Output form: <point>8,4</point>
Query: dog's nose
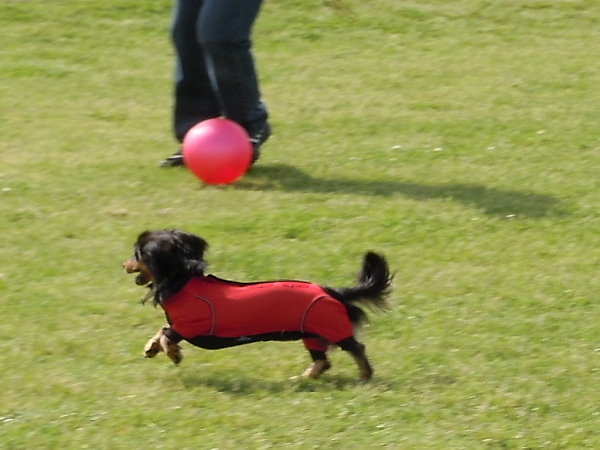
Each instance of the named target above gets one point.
<point>131,266</point>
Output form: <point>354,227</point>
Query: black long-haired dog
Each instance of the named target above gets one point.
<point>213,313</point>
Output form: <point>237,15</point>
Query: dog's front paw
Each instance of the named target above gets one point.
<point>152,348</point>
<point>172,349</point>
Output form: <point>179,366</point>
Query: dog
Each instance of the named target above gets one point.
<point>214,313</point>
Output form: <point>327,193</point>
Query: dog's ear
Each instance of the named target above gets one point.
<point>192,246</point>
<point>191,249</point>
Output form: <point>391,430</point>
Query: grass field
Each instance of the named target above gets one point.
<point>458,137</point>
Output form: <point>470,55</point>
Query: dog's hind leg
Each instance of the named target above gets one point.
<point>357,350</point>
<point>319,365</point>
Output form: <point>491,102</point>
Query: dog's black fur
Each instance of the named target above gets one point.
<point>167,260</point>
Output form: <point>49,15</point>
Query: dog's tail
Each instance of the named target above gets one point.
<point>372,289</point>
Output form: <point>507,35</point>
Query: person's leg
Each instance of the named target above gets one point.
<point>215,69</point>
<point>195,98</point>
<point>224,32</point>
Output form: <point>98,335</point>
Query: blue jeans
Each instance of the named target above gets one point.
<point>215,72</point>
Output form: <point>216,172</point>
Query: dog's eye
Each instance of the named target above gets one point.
<point>138,255</point>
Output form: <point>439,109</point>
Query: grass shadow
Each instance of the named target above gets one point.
<point>242,384</point>
<point>491,201</point>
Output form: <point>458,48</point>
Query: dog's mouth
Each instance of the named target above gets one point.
<point>144,276</point>
<point>142,279</point>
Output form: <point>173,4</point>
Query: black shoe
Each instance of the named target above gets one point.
<point>258,139</point>
<point>173,161</point>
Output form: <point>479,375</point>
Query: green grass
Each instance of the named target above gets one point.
<point>458,137</point>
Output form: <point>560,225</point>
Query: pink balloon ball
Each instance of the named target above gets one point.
<point>218,151</point>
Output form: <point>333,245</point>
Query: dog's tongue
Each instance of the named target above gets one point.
<point>148,295</point>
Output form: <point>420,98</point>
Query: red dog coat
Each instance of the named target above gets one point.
<point>209,306</point>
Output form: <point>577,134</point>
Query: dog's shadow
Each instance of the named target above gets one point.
<point>242,384</point>
<point>491,201</point>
